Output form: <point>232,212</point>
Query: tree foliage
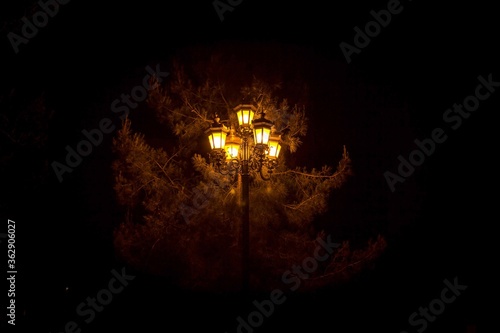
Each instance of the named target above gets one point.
<point>182,218</point>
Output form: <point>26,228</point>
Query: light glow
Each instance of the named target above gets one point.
<point>274,147</point>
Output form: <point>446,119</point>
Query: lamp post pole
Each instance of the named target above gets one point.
<point>245,226</point>
<point>265,151</point>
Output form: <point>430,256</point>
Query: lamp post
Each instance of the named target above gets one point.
<point>251,146</point>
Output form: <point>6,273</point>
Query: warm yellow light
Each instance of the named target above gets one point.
<point>245,117</point>
<point>245,114</point>
<point>217,140</point>
<point>217,136</point>
<point>274,147</point>
<point>262,130</point>
<point>232,147</point>
<point>232,151</point>
<point>261,135</point>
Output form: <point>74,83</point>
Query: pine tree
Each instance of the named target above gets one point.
<point>181,217</point>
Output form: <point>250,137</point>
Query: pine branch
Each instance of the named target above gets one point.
<point>297,206</point>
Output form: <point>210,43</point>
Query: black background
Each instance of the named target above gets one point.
<point>439,223</point>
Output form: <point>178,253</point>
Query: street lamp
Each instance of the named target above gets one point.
<point>274,146</point>
<point>252,146</point>
<point>232,146</point>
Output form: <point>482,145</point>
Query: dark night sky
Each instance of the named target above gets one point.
<point>438,222</point>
